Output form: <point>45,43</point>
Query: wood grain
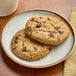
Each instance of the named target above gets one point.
<point>8,67</point>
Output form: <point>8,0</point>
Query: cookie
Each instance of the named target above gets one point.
<point>47,30</point>
<point>28,49</point>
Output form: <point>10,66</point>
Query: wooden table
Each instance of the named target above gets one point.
<point>8,67</point>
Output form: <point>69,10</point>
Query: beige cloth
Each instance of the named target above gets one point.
<point>70,62</point>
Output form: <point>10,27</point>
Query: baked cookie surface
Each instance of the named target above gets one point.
<point>28,49</point>
<point>47,30</point>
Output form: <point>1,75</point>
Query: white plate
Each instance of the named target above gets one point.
<point>58,53</point>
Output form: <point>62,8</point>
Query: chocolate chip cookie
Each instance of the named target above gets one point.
<point>47,30</point>
<point>28,49</point>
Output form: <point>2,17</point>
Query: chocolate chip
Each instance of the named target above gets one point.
<point>36,41</point>
<point>35,48</point>
<point>61,32</point>
<point>37,21</point>
<point>24,49</point>
<point>40,17</point>
<point>39,25</point>
<point>16,39</point>
<point>29,29</point>
<point>19,35</point>
<point>48,18</point>
<point>32,19</point>
<point>51,35</point>
<point>57,28</point>
<point>14,48</point>
<point>54,32</point>
<point>42,45</point>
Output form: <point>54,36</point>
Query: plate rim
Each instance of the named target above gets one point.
<point>49,65</point>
